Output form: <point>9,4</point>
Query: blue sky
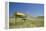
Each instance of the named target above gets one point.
<point>28,8</point>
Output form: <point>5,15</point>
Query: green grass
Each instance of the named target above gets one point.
<point>27,24</point>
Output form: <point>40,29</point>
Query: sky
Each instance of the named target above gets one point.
<point>28,8</point>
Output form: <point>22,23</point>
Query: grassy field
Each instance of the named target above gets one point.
<point>27,23</point>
